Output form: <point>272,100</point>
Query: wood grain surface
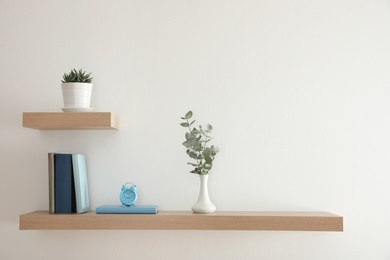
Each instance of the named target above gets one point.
<point>184,220</point>
<point>70,121</point>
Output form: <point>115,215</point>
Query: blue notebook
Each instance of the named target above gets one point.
<point>118,209</point>
<point>80,183</point>
<point>65,201</point>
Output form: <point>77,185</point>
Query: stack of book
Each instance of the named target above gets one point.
<point>68,185</point>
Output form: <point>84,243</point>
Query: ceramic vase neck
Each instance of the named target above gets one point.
<point>203,186</point>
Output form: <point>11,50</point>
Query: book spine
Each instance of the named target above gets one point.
<point>51,183</point>
<point>65,201</point>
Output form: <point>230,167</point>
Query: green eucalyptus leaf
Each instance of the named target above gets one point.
<point>206,152</point>
<point>188,115</point>
<point>198,146</point>
<point>208,128</point>
<point>187,144</point>
<point>189,136</point>
<point>184,124</point>
<point>208,166</point>
<point>193,155</point>
<point>193,164</point>
<point>202,132</point>
<point>214,150</point>
<point>209,159</point>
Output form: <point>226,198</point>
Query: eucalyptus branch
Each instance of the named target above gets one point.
<point>196,144</point>
<point>189,127</point>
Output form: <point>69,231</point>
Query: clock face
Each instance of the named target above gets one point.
<point>128,197</point>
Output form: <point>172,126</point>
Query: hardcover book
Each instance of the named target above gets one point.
<point>51,183</point>
<point>80,183</point>
<point>65,201</point>
<point>118,209</point>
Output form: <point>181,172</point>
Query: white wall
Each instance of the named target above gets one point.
<point>297,92</point>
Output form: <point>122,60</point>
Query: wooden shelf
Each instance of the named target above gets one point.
<point>70,121</point>
<point>184,220</point>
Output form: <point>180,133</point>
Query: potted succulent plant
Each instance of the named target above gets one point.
<point>197,140</point>
<point>77,91</point>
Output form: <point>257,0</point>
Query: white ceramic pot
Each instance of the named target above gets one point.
<point>76,95</point>
<point>204,204</point>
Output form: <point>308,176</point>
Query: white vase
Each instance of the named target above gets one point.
<point>203,205</point>
<point>76,95</point>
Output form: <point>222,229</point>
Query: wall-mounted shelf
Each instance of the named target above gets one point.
<point>184,220</point>
<point>70,121</point>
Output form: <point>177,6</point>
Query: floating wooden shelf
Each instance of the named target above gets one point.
<point>184,220</point>
<point>70,121</point>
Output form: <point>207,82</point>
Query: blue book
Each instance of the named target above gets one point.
<point>80,183</point>
<point>65,201</point>
<point>118,209</point>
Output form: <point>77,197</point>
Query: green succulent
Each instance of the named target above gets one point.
<point>77,76</point>
<point>196,144</point>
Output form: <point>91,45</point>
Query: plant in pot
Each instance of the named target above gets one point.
<point>197,140</point>
<point>77,91</point>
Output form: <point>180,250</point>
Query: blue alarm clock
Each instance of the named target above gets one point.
<point>128,195</point>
